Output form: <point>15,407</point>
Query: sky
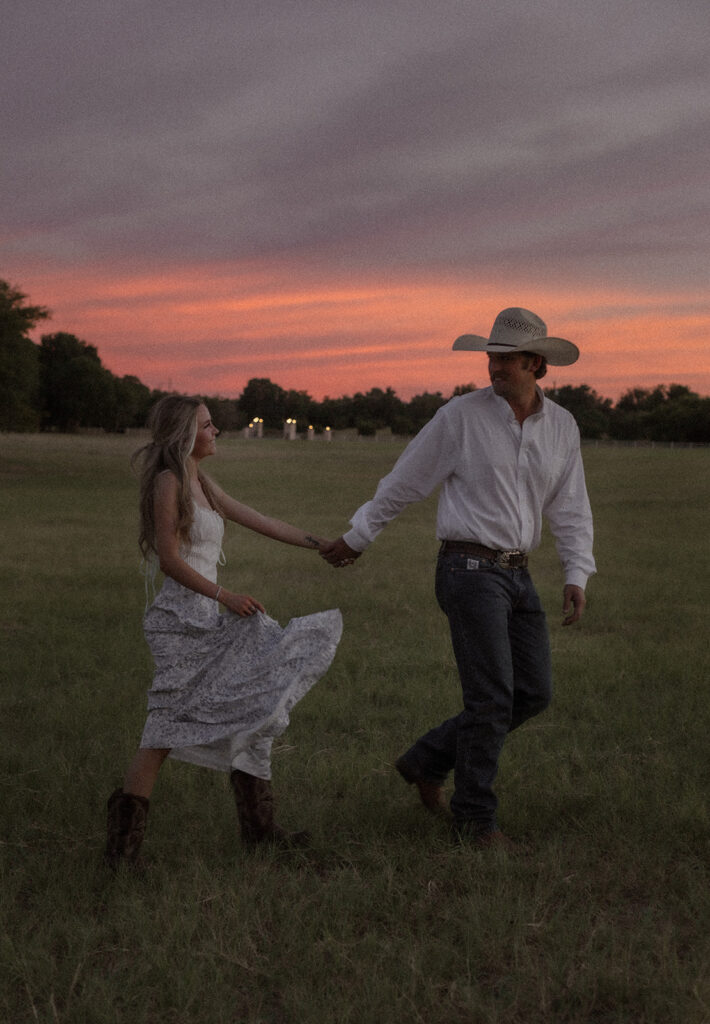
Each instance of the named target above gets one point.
<point>329,194</point>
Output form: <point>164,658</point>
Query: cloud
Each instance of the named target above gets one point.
<point>550,150</point>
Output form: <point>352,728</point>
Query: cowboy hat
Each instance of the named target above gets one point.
<point>519,330</point>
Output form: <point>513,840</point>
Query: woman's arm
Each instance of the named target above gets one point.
<point>266,525</point>
<point>167,542</point>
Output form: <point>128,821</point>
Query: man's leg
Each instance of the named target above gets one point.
<point>433,755</point>
<point>478,601</point>
<point>530,645</point>
<point>500,639</point>
<point>427,763</point>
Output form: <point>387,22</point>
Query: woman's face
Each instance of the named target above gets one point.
<point>205,443</point>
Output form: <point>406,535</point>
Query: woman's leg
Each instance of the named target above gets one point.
<point>143,771</point>
<point>128,809</point>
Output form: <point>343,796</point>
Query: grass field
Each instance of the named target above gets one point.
<point>602,917</point>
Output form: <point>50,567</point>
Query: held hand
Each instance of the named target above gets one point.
<point>241,604</point>
<point>337,553</point>
<point>573,604</point>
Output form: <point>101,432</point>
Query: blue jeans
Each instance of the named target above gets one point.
<point>501,644</point>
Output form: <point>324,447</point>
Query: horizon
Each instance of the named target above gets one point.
<point>131,329</point>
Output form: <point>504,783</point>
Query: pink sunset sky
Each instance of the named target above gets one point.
<point>328,195</point>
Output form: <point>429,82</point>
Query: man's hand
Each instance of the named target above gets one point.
<point>338,553</point>
<point>573,604</point>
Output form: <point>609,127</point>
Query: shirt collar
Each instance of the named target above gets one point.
<point>506,410</point>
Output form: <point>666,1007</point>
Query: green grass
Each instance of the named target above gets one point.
<point>603,915</point>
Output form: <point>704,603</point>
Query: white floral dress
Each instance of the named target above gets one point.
<point>222,683</point>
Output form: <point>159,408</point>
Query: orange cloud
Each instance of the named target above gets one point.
<point>209,329</point>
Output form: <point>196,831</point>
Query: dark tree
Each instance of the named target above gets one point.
<point>422,407</point>
<point>75,389</point>
<point>226,413</point>
<point>19,370</point>
<point>376,409</point>
<point>337,413</point>
<point>665,413</point>
<point>592,413</point>
<point>299,405</point>
<point>264,399</point>
<point>132,402</point>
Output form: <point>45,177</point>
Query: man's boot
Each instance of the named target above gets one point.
<point>431,793</point>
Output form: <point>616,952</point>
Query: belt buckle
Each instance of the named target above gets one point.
<point>509,559</point>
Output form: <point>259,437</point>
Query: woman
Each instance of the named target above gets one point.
<point>224,683</point>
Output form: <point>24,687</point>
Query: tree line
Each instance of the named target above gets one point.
<point>61,384</point>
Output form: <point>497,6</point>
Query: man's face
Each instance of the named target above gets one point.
<point>512,373</point>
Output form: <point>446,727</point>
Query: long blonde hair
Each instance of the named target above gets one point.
<point>172,422</point>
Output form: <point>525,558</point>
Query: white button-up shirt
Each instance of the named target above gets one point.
<point>498,478</point>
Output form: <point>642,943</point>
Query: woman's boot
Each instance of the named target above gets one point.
<point>127,816</point>
<point>255,808</point>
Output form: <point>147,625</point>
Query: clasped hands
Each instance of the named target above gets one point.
<point>337,553</point>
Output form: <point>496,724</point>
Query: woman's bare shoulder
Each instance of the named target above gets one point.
<point>166,483</point>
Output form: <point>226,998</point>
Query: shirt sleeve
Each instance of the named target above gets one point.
<point>570,517</point>
<point>424,464</point>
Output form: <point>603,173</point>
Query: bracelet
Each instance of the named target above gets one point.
<point>219,591</point>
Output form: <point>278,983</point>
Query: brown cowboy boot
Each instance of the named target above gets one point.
<point>255,808</point>
<point>127,816</point>
<point>431,793</point>
<point>466,833</point>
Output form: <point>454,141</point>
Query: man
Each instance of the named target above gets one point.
<point>504,457</point>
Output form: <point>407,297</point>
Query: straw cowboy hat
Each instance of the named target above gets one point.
<point>519,330</point>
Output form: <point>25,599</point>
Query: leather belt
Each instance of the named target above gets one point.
<point>503,559</point>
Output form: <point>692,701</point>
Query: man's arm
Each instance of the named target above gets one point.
<point>424,464</point>
<point>570,518</point>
